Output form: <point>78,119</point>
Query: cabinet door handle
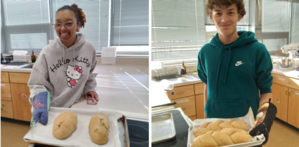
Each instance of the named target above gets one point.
<point>286,91</point>
<point>2,91</point>
<point>281,79</point>
<point>180,92</point>
<point>289,92</point>
<point>183,108</point>
<point>289,82</point>
<point>3,109</point>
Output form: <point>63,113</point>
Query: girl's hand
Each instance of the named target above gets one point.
<point>92,94</point>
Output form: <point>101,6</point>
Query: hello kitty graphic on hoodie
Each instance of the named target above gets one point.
<point>65,72</point>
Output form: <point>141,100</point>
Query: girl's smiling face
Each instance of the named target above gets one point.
<point>66,27</point>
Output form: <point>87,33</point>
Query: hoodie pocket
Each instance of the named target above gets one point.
<point>226,108</point>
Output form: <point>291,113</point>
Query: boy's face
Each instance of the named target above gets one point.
<point>226,20</point>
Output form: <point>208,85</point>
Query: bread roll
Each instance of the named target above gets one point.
<point>215,125</point>
<point>222,139</point>
<point>225,125</point>
<point>240,137</point>
<point>222,132</point>
<point>205,124</point>
<point>64,125</point>
<point>99,129</point>
<point>200,131</point>
<point>230,120</point>
<point>240,124</point>
<point>205,140</point>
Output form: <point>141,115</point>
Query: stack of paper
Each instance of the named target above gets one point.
<point>108,55</point>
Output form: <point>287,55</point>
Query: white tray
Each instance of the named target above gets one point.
<point>249,119</point>
<point>118,135</point>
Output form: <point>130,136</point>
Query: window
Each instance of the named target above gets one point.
<point>27,24</point>
<point>128,20</point>
<point>178,29</point>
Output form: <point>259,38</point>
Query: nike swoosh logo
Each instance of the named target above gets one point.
<point>238,64</point>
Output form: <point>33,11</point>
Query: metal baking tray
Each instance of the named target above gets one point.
<point>118,133</point>
<point>162,127</point>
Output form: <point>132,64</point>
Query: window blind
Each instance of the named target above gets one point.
<point>24,20</point>
<point>295,22</point>
<point>275,23</point>
<point>130,23</point>
<point>178,29</point>
<point>96,29</point>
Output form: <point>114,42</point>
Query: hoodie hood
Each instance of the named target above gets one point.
<point>244,39</point>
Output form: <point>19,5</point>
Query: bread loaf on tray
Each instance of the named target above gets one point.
<point>99,129</point>
<point>64,125</point>
<point>221,133</point>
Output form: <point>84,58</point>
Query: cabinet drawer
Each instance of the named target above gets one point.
<point>19,77</point>
<point>5,91</point>
<point>187,107</point>
<point>285,81</point>
<point>181,91</point>
<point>6,109</point>
<point>4,77</point>
<point>199,88</point>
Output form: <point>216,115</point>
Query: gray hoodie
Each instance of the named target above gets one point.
<point>65,72</point>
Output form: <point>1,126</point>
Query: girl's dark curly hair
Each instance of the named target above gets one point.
<point>79,14</point>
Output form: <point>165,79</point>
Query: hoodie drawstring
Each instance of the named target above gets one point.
<point>216,93</point>
<point>225,77</point>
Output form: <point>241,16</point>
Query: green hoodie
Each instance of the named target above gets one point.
<point>234,74</point>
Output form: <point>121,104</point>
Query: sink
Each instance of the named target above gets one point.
<point>29,65</point>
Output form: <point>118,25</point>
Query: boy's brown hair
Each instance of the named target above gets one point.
<point>224,4</point>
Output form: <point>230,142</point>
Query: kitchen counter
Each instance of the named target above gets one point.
<point>123,88</point>
<point>159,95</point>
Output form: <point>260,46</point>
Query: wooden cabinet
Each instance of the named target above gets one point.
<point>200,103</point>
<point>200,106</point>
<point>20,99</point>
<point>280,100</point>
<point>181,91</point>
<point>286,99</point>
<point>184,93</point>
<point>5,91</point>
<point>19,77</point>
<point>188,107</point>
<point>6,109</point>
<point>194,108</point>
<point>4,77</point>
<point>14,96</point>
<point>293,107</point>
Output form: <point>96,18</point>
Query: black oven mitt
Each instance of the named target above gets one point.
<point>264,120</point>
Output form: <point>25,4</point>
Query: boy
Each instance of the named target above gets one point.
<point>235,67</point>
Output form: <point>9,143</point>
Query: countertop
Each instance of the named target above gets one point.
<point>122,88</point>
<point>159,96</point>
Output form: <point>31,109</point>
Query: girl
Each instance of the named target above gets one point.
<point>64,67</point>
